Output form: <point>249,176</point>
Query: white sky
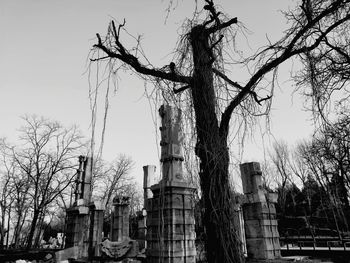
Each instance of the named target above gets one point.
<point>43,56</point>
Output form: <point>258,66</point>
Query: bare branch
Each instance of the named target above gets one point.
<point>224,77</point>
<point>176,91</point>
<point>216,28</point>
<point>123,55</point>
<point>288,52</point>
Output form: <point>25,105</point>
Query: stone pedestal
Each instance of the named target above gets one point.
<point>78,216</point>
<point>170,224</point>
<point>170,213</point>
<point>120,218</point>
<point>259,213</point>
<point>84,229</point>
<point>96,225</point>
<point>77,222</point>
<point>84,219</point>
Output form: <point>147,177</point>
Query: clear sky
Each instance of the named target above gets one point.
<point>44,51</point>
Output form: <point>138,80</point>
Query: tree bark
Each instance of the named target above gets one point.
<point>213,152</point>
<point>8,226</point>
<point>32,229</point>
<point>2,230</point>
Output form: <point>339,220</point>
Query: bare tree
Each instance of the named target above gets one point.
<point>200,70</point>
<point>113,178</point>
<point>301,171</point>
<point>47,158</point>
<point>318,166</point>
<point>22,204</point>
<point>7,173</point>
<point>280,157</point>
<point>326,68</point>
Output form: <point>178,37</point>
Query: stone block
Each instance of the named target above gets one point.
<point>65,254</point>
<point>165,259</point>
<point>251,177</point>
<point>261,229</point>
<point>170,248</point>
<point>258,211</point>
<point>272,197</point>
<point>263,248</point>
<point>97,205</point>
<point>178,259</point>
<point>81,202</point>
<point>255,197</point>
<point>170,216</point>
<point>177,231</point>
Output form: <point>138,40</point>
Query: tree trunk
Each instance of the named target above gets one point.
<point>17,230</point>
<point>19,226</point>
<point>8,225</point>
<point>222,243</point>
<point>2,230</point>
<point>32,229</point>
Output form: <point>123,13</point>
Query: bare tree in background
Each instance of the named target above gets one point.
<point>112,178</point>
<point>7,174</point>
<point>280,157</point>
<point>47,158</point>
<point>203,72</point>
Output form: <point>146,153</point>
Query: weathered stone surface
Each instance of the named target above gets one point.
<point>118,250</point>
<point>172,259</point>
<point>259,212</point>
<point>96,219</point>
<point>251,177</point>
<point>83,180</point>
<point>267,248</point>
<point>65,254</point>
<point>148,180</point>
<point>85,218</point>
<point>170,217</point>
<point>120,218</point>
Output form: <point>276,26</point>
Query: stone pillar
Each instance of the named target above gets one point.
<point>259,215</point>
<point>148,180</point>
<point>84,218</point>
<point>238,221</point>
<point>83,180</point>
<point>77,230</point>
<point>170,213</point>
<point>96,225</point>
<point>141,228</point>
<point>120,218</point>
<point>78,218</point>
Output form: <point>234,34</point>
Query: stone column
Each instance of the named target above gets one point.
<point>148,180</point>
<point>141,228</point>
<point>78,219</point>
<point>170,213</point>
<point>96,225</point>
<point>120,218</point>
<point>84,218</point>
<point>83,180</point>
<point>238,221</point>
<point>259,214</point>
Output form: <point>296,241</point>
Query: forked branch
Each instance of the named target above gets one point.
<point>118,51</point>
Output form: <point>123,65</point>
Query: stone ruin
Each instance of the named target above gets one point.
<point>120,218</point>
<point>170,212</point>
<point>259,213</point>
<point>84,219</point>
<point>166,226</point>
